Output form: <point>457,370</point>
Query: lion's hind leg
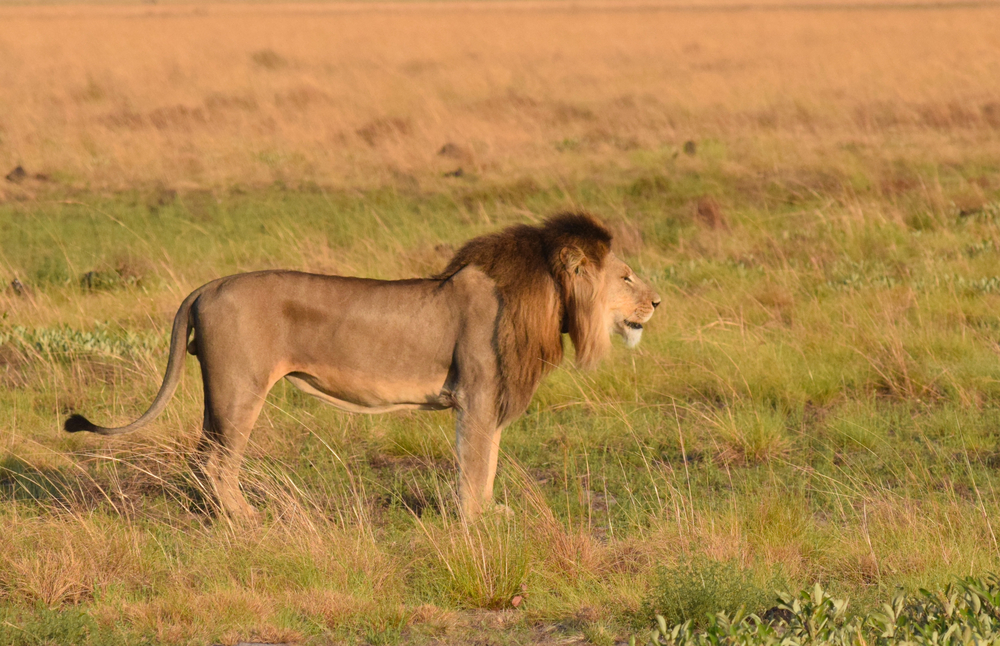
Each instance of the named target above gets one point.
<point>232,404</point>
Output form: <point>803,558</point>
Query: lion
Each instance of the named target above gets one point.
<point>477,338</point>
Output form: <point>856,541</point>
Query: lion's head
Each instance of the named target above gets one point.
<point>558,277</point>
<point>630,301</point>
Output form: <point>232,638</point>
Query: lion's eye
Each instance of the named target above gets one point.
<point>627,279</point>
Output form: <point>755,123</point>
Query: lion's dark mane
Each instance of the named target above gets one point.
<point>526,263</point>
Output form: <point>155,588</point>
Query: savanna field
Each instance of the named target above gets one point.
<point>813,190</point>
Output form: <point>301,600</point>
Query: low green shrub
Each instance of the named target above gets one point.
<point>965,612</point>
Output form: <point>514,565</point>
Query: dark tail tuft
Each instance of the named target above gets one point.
<point>77,423</point>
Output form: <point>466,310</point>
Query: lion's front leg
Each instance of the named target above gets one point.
<point>478,445</point>
<point>478,448</point>
<point>477,385</point>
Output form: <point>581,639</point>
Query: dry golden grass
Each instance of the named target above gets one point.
<point>356,94</point>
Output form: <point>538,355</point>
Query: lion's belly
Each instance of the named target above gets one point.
<point>371,346</point>
<point>366,393</point>
<point>359,363</point>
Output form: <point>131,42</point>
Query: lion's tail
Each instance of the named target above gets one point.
<point>175,365</point>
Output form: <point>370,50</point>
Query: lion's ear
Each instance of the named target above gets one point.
<point>573,259</point>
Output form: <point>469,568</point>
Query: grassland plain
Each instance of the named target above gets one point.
<point>817,399</point>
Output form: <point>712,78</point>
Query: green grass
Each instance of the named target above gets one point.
<point>815,401</point>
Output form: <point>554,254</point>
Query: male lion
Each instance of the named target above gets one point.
<point>477,337</point>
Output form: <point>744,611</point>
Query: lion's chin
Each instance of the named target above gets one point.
<point>632,333</point>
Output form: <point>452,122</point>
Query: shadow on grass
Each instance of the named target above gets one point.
<point>76,489</point>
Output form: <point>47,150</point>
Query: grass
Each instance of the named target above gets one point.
<point>699,589</point>
<point>817,421</point>
<point>815,197</point>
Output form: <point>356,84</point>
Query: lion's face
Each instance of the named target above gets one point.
<point>630,301</point>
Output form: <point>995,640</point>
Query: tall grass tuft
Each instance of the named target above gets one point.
<point>749,434</point>
<point>482,564</point>
<point>695,589</point>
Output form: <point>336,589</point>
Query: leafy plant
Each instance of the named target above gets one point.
<point>965,612</point>
<point>66,343</point>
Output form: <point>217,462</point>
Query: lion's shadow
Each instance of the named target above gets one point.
<point>126,490</point>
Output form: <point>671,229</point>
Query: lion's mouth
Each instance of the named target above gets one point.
<point>631,332</point>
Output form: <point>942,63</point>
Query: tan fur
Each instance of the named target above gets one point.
<point>477,338</point>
